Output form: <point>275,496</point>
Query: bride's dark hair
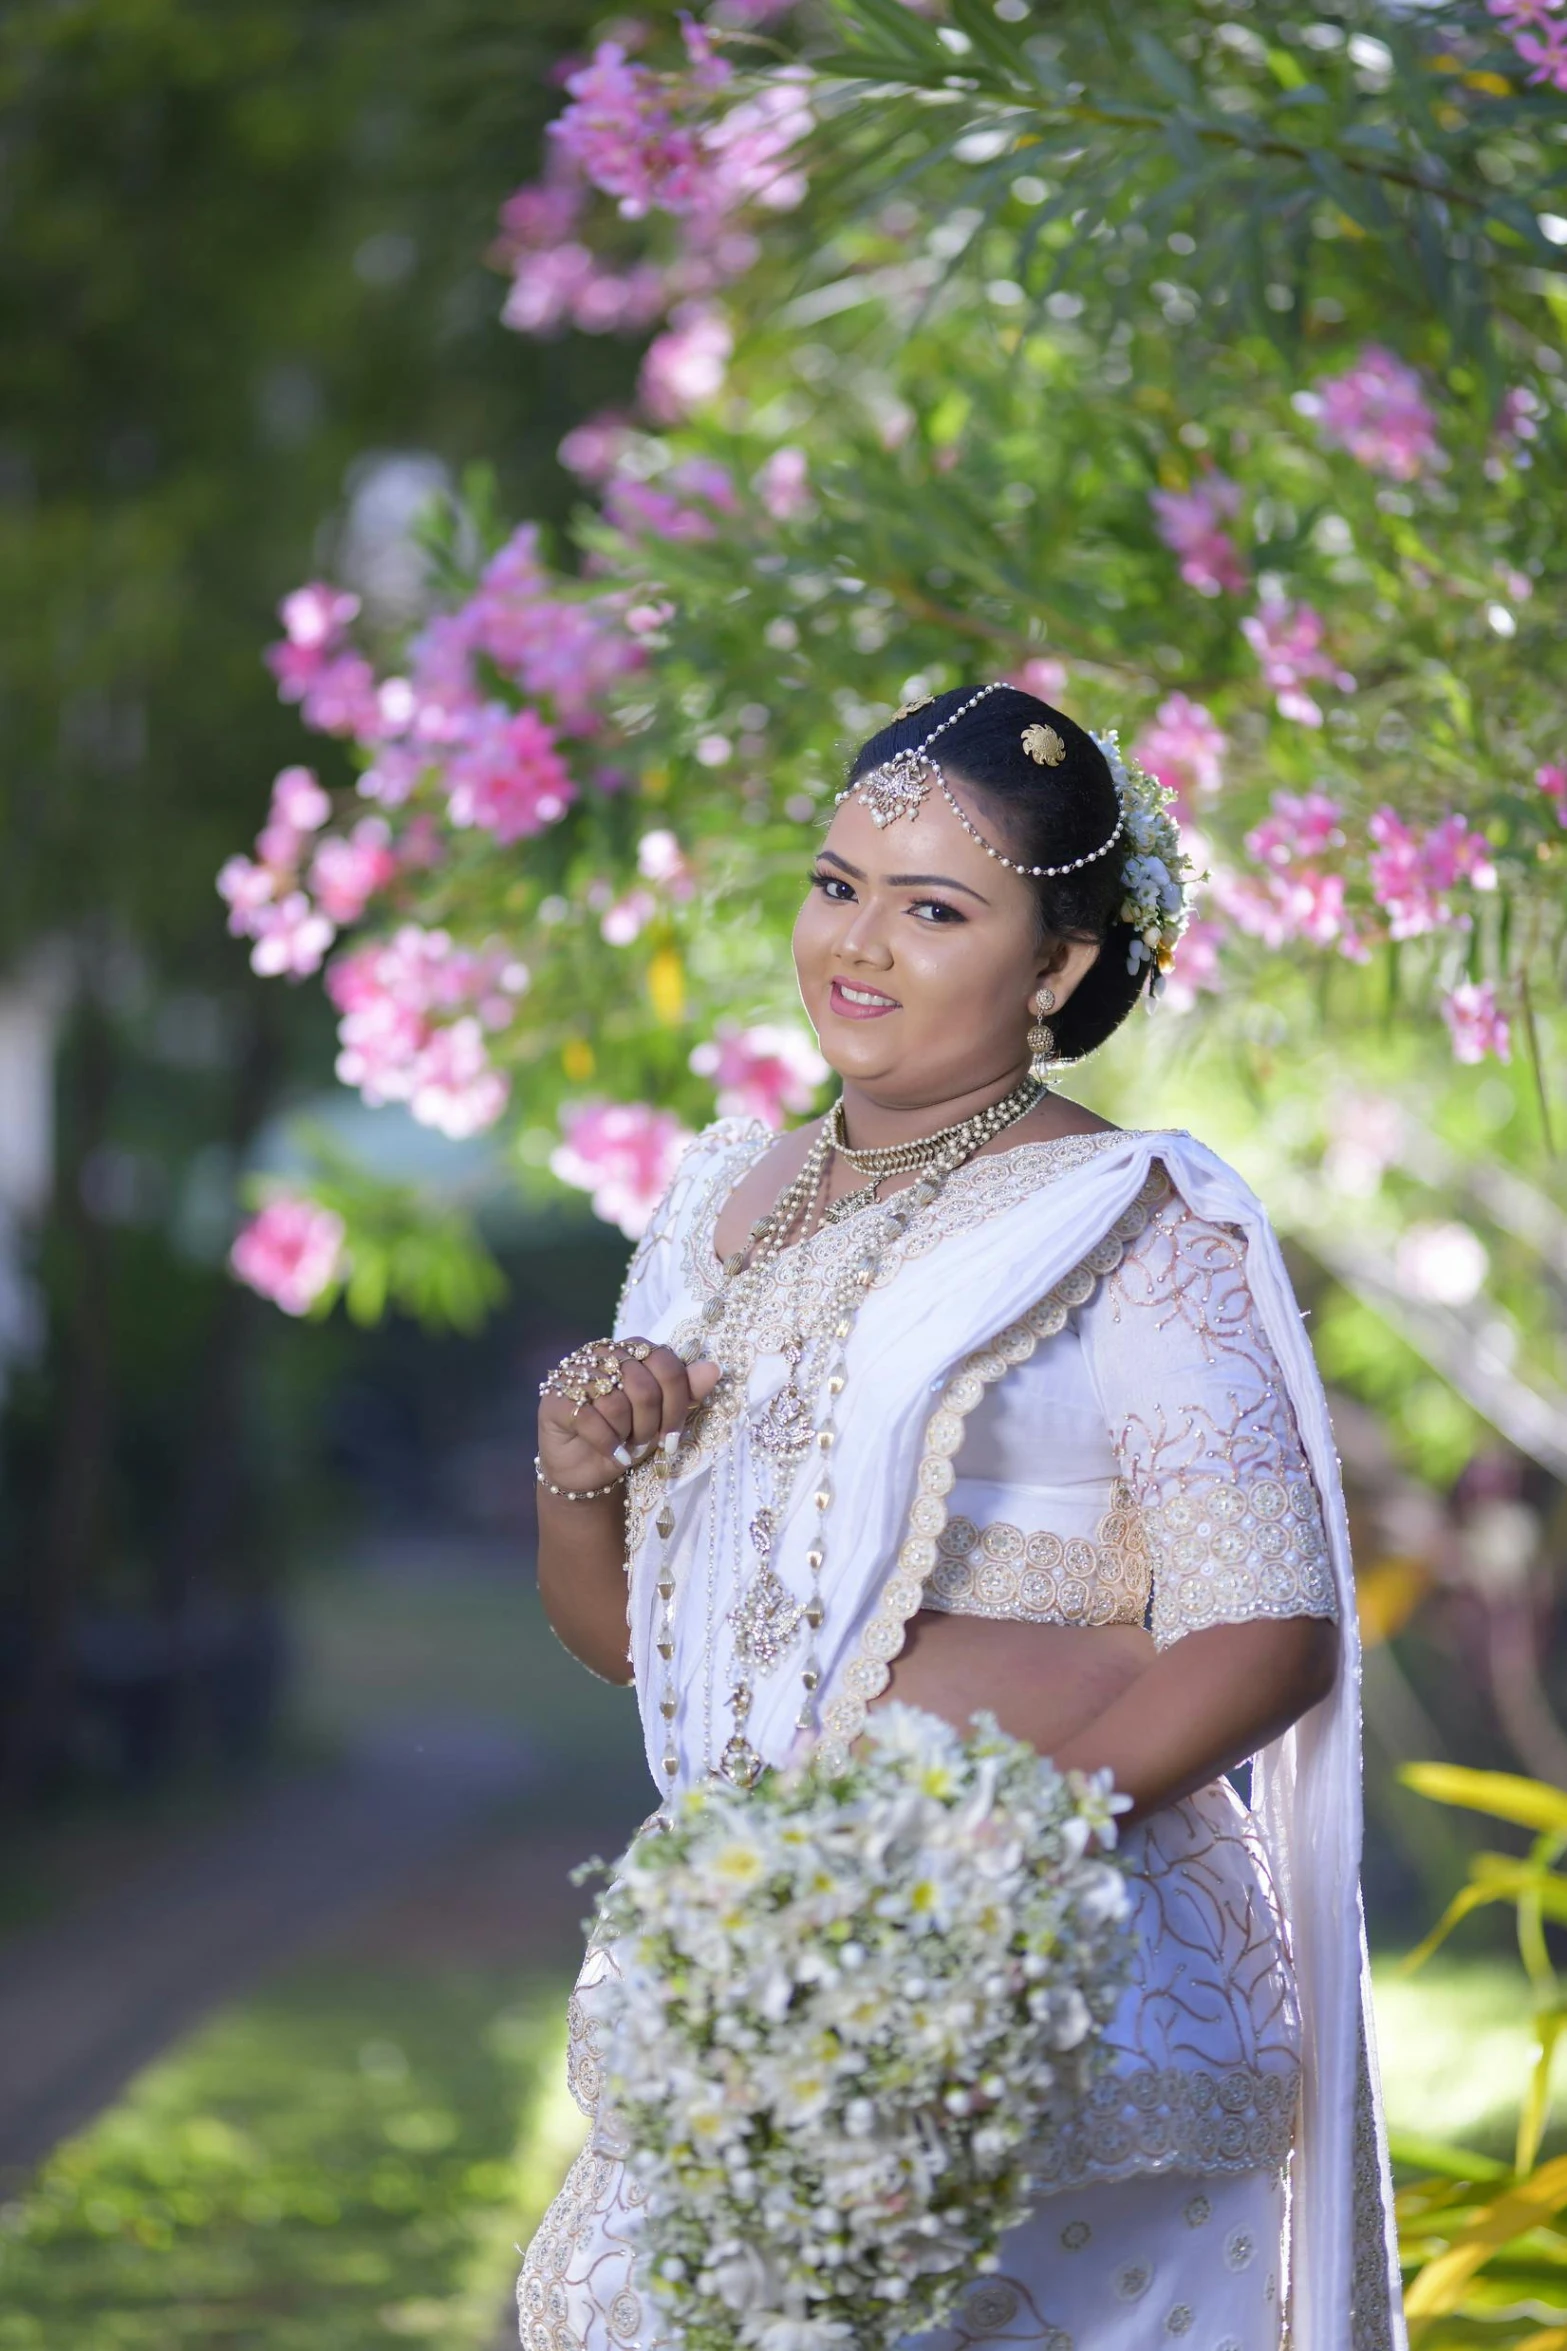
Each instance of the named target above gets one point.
<point>1040,816</point>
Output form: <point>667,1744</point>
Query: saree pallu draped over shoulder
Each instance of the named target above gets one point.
<point>1009,1256</point>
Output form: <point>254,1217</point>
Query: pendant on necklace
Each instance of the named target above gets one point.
<point>767,1618</point>
<point>740,1763</point>
<point>783,1427</point>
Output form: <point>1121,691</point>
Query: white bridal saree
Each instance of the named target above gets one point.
<point>1078,1391</point>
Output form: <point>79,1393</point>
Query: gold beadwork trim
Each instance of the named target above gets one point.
<point>902,1596</point>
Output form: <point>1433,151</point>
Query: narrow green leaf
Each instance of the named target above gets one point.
<point>1164,67</point>
<point>1532,1804</point>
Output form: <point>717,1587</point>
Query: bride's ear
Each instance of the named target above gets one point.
<point>1065,966</point>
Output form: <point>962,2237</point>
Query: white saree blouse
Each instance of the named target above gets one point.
<point>1078,1392</point>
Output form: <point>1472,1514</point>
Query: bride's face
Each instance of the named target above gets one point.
<point>917,955</point>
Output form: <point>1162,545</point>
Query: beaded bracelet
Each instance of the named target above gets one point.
<point>573,1493</point>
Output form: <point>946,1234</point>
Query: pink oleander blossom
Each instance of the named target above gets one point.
<point>1546,55</point>
<point>664,510</point>
<point>1299,826</point>
<point>1279,909</point>
<point>594,449</point>
<point>246,889</point>
<point>291,1251</point>
<point>298,800</point>
<point>621,132</point>
<point>414,1011</point>
<point>1184,747</point>
<point>1192,524</point>
<point>1553,783</point>
<point>1042,676</point>
<point>346,872</point>
<point>628,917</point>
<point>660,859</point>
<point>760,1072</point>
<point>687,364</point>
<point>624,1154</point>
<point>1476,1023</point>
<point>1412,874</point>
<point>783,485</point>
<point>1287,640</point>
<point>748,149</point>
<point>569,651</point>
<point>342,699</point>
<point>291,937</point>
<point>1378,412</point>
<point>508,778</point>
<point>314,619</point>
<point>1195,968</point>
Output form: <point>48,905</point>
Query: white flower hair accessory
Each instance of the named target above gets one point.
<point>1157,873</point>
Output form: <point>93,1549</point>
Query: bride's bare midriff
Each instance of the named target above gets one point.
<point>1043,1682</point>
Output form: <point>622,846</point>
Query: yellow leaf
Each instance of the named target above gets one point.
<point>576,1059</point>
<point>1533,1804</point>
<point>1440,2285</point>
<point>1547,2339</point>
<point>655,782</point>
<point>1495,85</point>
<point>666,987</point>
<point>1387,1593</point>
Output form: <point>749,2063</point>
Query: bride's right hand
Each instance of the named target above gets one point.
<point>586,1447</point>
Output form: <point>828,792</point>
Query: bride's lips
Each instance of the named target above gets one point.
<point>847,1009</point>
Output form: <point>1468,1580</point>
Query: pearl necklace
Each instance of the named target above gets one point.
<point>936,1157</point>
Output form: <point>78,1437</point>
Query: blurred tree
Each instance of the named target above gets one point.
<point>242,289</point>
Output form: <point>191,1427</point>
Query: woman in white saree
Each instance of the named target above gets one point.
<point>965,1397</point>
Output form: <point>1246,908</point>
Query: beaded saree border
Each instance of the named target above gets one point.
<point>882,1640</point>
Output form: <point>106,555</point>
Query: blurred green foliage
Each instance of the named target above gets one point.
<point>339,2164</point>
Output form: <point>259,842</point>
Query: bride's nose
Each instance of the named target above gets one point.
<point>863,940</point>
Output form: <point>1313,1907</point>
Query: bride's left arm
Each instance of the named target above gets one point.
<point>1206,1704</point>
<point>1244,1603</point>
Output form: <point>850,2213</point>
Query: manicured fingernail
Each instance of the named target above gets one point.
<point>672,1442</point>
<point>622,1456</point>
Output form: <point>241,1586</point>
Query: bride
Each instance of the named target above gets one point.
<point>963,1396</point>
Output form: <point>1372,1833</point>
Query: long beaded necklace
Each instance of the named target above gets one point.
<point>767,1618</point>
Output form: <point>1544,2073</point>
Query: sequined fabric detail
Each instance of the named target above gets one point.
<point>1372,2326</point>
<point>870,1669</point>
<point>575,2285</point>
<point>1043,1578</point>
<point>1209,1447</point>
<point>1168,2119</point>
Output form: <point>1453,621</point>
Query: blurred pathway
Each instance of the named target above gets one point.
<point>85,2002</point>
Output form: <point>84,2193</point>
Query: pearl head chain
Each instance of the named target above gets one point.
<point>899,786</point>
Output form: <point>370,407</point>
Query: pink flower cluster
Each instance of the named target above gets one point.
<point>1413,874</point>
<point>1538,30</point>
<point>760,1072</point>
<point>687,364</point>
<point>1476,1023</point>
<point>1553,783</point>
<point>416,1011</point>
<point>316,667</point>
<point>684,504</point>
<point>1184,747</point>
<point>1298,896</point>
<point>291,1251</point>
<point>624,1153</point>
<point>1193,524</point>
<point>267,904</point>
<point>652,142</point>
<point>661,862</point>
<point>1287,640</point>
<point>1377,411</point>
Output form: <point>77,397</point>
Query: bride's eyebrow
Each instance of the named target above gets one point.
<point>902,881</point>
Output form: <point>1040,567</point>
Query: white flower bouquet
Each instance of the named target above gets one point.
<point>841,2007</point>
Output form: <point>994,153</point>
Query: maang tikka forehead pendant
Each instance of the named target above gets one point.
<point>900,786</point>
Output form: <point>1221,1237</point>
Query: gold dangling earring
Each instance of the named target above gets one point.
<point>1042,1038</point>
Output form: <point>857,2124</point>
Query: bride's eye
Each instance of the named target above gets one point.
<point>827,883</point>
<point>938,910</point>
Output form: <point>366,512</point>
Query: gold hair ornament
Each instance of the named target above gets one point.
<point>1044,744</point>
